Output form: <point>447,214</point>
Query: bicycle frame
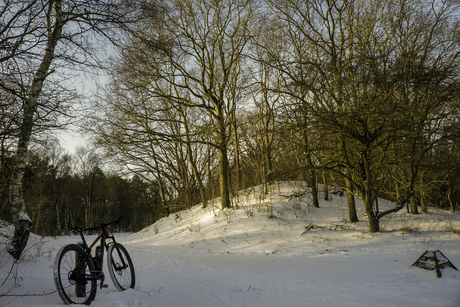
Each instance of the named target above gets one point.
<point>79,268</point>
<point>104,245</point>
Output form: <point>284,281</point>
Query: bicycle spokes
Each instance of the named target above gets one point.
<point>73,275</point>
<point>77,272</point>
<point>120,267</point>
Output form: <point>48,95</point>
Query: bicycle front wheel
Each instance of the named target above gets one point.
<point>120,266</point>
<point>73,275</point>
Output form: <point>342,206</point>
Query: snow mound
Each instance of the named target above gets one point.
<point>271,249</point>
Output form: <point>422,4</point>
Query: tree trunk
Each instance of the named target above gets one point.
<point>184,175</point>
<point>21,220</point>
<point>325,187</point>
<point>210,188</point>
<point>312,181</point>
<point>237,155</point>
<point>266,155</point>
<point>314,188</point>
<point>223,162</point>
<point>89,204</point>
<point>368,198</point>
<point>223,178</point>
<point>164,204</point>
<point>264,170</point>
<point>424,207</point>
<point>197,175</point>
<point>268,162</point>
<point>353,216</point>
<point>413,204</point>
<point>373,221</point>
<point>453,205</point>
<point>57,207</point>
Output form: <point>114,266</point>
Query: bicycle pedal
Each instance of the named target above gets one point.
<point>105,286</point>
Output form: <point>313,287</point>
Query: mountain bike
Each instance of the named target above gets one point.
<point>77,271</point>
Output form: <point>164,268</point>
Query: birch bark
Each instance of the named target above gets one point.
<point>21,220</point>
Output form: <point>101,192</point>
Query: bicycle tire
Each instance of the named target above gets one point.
<point>71,266</point>
<point>122,277</point>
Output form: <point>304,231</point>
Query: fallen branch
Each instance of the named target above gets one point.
<point>29,294</point>
<point>333,226</point>
<point>295,195</point>
<point>148,292</point>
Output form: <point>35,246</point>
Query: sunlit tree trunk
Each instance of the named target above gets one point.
<point>223,161</point>
<point>352,215</point>
<point>236,144</point>
<point>414,205</point>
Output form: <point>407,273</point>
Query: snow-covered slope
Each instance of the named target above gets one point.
<point>272,250</point>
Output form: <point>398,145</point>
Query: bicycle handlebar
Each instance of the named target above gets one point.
<point>102,226</point>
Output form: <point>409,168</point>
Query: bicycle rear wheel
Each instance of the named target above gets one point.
<point>72,267</point>
<point>120,266</point>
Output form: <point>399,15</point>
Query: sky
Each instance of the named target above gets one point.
<point>70,140</point>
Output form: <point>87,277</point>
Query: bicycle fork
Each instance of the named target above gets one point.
<point>120,255</point>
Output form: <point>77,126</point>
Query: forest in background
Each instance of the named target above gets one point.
<point>205,98</point>
<point>63,191</point>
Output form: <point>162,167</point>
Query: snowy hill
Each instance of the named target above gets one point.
<point>272,250</point>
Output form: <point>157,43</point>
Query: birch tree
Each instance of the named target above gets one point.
<point>55,35</point>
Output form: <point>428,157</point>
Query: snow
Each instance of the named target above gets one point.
<point>286,253</point>
<point>23,216</point>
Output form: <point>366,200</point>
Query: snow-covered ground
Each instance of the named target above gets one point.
<point>286,253</point>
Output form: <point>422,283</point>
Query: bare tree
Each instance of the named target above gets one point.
<point>266,98</point>
<point>207,40</point>
<point>88,169</point>
<point>48,23</point>
<point>377,72</point>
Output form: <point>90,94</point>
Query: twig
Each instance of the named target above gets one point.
<point>148,292</point>
<point>9,273</point>
<point>30,294</point>
<point>254,289</point>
